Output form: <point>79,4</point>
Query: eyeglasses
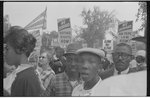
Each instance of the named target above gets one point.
<point>123,55</point>
<point>140,58</point>
<point>42,57</point>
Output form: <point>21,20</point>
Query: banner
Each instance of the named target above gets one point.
<point>125,32</point>
<point>108,45</point>
<point>65,32</point>
<point>38,22</point>
<point>63,24</point>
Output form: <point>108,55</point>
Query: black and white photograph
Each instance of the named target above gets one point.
<point>72,49</point>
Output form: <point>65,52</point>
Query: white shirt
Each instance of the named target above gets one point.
<point>133,84</point>
<point>123,72</point>
<point>80,91</point>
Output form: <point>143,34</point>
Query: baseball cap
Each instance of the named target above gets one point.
<point>141,53</point>
<point>97,52</point>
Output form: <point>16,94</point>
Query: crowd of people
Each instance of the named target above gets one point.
<point>76,71</point>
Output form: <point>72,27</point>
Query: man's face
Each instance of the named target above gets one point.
<point>89,65</point>
<point>140,59</point>
<point>122,57</point>
<point>72,64</point>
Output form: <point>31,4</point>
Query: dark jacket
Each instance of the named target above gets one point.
<point>110,72</point>
<point>26,83</point>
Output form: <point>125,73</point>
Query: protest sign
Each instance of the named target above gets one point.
<point>108,45</point>
<point>125,32</point>
<point>65,33</point>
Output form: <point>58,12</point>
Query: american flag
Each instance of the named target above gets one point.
<point>38,22</point>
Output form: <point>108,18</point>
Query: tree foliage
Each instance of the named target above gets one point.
<point>54,34</point>
<point>97,22</point>
<point>142,14</point>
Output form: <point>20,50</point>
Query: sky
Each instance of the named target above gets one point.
<point>22,13</point>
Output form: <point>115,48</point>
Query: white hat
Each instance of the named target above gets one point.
<point>97,52</point>
<point>141,53</point>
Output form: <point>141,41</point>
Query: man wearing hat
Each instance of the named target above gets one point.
<point>72,68</point>
<point>140,58</point>
<point>121,58</point>
<point>64,82</point>
<point>90,66</point>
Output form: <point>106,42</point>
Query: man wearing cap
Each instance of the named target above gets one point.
<point>90,65</point>
<point>122,58</point>
<point>64,82</point>
<point>140,58</point>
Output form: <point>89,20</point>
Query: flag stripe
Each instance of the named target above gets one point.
<point>40,19</point>
<point>36,27</point>
<point>37,23</point>
<point>37,18</point>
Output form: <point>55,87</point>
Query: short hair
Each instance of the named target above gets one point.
<point>124,45</point>
<point>21,40</point>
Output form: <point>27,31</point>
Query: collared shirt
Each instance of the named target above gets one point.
<point>80,91</point>
<point>122,72</point>
<point>60,86</point>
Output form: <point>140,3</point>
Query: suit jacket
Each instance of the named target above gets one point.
<point>110,72</point>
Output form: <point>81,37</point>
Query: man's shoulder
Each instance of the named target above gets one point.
<point>136,69</point>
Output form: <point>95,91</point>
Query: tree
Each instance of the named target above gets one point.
<point>78,31</point>
<point>97,21</point>
<point>142,14</point>
<point>54,34</point>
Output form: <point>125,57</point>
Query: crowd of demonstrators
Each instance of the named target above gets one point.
<point>64,82</point>
<point>122,58</point>
<point>75,72</point>
<point>123,85</point>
